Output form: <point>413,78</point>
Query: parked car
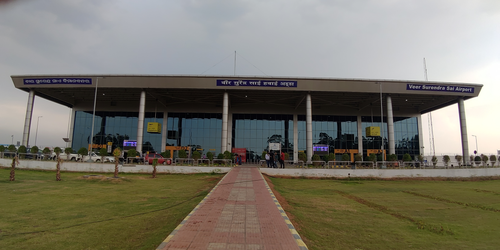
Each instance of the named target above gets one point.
<point>150,157</point>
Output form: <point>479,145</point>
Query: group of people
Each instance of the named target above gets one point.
<point>273,157</point>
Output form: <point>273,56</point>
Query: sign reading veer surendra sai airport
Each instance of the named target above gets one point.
<point>58,81</point>
<point>257,83</point>
<point>444,88</point>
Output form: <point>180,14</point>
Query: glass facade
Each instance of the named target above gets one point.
<point>198,130</point>
<point>254,132</point>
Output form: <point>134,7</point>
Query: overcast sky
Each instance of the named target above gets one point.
<point>375,39</point>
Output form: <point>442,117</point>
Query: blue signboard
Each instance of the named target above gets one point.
<point>58,81</point>
<point>257,83</point>
<point>443,88</point>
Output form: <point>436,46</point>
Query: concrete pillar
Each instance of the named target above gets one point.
<point>27,120</point>
<point>230,131</point>
<point>164,131</point>
<point>420,135</point>
<point>463,129</point>
<point>295,138</point>
<point>140,122</point>
<point>360,135</point>
<point>390,126</point>
<point>225,109</point>
<point>309,139</point>
<point>71,129</point>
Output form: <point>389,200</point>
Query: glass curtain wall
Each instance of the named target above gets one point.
<point>254,132</point>
<point>199,130</point>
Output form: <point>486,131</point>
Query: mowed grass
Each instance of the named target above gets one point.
<point>133,212</point>
<point>408,214</point>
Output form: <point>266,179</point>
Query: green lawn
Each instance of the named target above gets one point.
<point>377,214</point>
<point>133,212</point>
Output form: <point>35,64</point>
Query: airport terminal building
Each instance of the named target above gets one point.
<point>245,114</point>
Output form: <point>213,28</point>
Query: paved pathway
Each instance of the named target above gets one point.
<point>241,212</point>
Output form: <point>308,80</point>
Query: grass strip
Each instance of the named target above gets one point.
<point>486,191</point>
<point>420,224</point>
<point>202,194</point>
<point>454,202</point>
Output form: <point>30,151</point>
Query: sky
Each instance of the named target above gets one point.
<point>365,39</point>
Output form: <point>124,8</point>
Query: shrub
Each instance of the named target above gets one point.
<point>264,154</point>
<point>459,159</point>
<point>196,155</point>
<point>2,148</point>
<point>132,153</point>
<point>220,156</point>
<point>68,151</point>
<point>57,150</point>
<point>165,154</point>
<point>493,159</point>
<point>331,157</point>
<point>372,157</point>
<point>228,155</point>
<point>12,148</point>
<point>210,155</point>
<point>392,157</point>
<point>22,149</point>
<point>46,151</point>
<point>182,154</point>
<point>346,157</point>
<point>287,156</point>
<point>420,158</point>
<point>302,156</point>
<point>103,152</point>
<point>407,157</point>
<point>316,157</point>
<point>358,157</point>
<point>34,150</point>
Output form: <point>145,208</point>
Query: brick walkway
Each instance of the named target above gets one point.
<point>239,213</point>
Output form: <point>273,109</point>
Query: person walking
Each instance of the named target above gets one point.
<point>268,159</point>
<point>282,160</point>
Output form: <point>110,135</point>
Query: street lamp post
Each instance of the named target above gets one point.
<point>36,133</point>
<point>475,152</point>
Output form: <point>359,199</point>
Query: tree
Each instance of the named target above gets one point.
<point>316,157</point>
<point>2,149</point>
<point>46,152</point>
<point>15,161</point>
<point>34,150</point>
<point>210,156</point>
<point>477,159</point>
<point>83,151</point>
<point>434,161</point>
<point>446,160</point>
<point>493,159</point>
<point>117,153</point>
<point>58,151</point>
<point>58,168</point>
<point>68,151</point>
<point>420,159</point>
<point>484,159</point>
<point>459,159</point>
<point>103,152</point>
<point>22,151</point>
<point>155,162</point>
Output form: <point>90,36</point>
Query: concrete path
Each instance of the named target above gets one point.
<point>241,212</point>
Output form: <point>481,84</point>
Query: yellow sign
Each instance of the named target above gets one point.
<point>372,131</point>
<point>154,127</point>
